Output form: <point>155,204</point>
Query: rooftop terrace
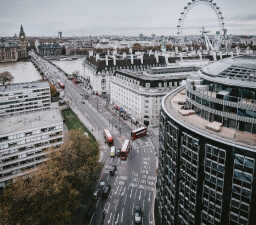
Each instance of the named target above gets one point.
<point>201,126</point>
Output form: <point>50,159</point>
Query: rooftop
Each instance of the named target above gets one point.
<point>155,77</point>
<point>24,86</point>
<point>29,121</point>
<point>201,126</point>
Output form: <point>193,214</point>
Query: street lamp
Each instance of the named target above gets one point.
<point>102,184</point>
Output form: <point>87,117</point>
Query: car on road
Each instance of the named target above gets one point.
<point>61,102</point>
<point>90,212</point>
<point>112,151</point>
<point>83,102</point>
<point>112,170</point>
<point>118,152</point>
<point>137,214</point>
<point>106,190</point>
<point>96,194</point>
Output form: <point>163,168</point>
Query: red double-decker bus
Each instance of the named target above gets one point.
<point>138,133</point>
<point>125,149</point>
<point>108,137</point>
<point>61,85</point>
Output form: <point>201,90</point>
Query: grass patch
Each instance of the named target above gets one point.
<point>73,122</point>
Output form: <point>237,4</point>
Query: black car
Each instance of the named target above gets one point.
<point>106,191</point>
<point>96,194</point>
<point>118,152</point>
<point>90,212</point>
<point>112,170</point>
<point>137,214</point>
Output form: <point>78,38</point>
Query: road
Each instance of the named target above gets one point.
<point>134,181</point>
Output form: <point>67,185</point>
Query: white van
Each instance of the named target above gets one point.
<point>112,151</point>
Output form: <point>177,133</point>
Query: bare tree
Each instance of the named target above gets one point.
<point>6,77</point>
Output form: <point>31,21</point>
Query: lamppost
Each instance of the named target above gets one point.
<point>102,184</point>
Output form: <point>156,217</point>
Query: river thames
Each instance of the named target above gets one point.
<point>26,71</point>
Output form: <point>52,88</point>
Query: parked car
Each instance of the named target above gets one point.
<point>96,194</point>
<point>118,152</point>
<point>61,102</point>
<point>106,191</point>
<point>90,212</point>
<point>112,170</point>
<point>137,214</point>
<point>83,102</point>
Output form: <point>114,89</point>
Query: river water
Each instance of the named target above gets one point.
<point>71,66</point>
<point>26,71</point>
<point>22,71</point>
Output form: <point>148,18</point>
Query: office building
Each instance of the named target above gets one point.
<point>25,140</point>
<point>60,34</point>
<point>24,97</point>
<point>207,147</point>
<point>139,93</point>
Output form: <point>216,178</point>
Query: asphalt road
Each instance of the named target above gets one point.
<point>134,181</point>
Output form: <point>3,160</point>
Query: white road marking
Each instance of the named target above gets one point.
<point>117,218</point>
<point>131,193</point>
<point>125,199</point>
<point>140,195</point>
<point>135,193</point>
<point>110,218</point>
<point>122,215</point>
<point>149,196</point>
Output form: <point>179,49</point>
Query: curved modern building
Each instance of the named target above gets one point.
<point>208,147</point>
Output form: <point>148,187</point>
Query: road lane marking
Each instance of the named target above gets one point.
<point>110,218</point>
<point>140,195</point>
<point>125,199</point>
<point>122,217</point>
<point>131,193</point>
<point>117,218</point>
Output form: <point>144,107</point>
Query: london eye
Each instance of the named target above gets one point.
<point>210,44</point>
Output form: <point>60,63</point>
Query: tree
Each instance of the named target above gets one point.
<point>53,90</point>
<point>53,192</point>
<point>136,47</point>
<point>6,77</point>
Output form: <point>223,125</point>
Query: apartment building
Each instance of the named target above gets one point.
<point>207,147</point>
<point>24,141</point>
<point>24,97</point>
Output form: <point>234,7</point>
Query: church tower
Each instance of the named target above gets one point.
<point>23,44</point>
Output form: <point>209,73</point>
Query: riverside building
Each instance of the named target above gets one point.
<point>24,97</point>
<point>140,93</point>
<point>207,147</point>
<point>98,69</point>
<point>24,141</point>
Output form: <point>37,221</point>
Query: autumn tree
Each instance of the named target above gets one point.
<point>53,90</point>
<point>54,190</point>
<point>6,77</point>
<point>136,47</point>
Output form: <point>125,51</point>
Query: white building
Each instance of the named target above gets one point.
<point>98,69</point>
<point>140,93</point>
<point>24,97</point>
<point>24,141</point>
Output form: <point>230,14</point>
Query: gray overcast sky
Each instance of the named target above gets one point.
<point>121,17</point>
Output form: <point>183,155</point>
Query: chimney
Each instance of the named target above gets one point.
<point>114,52</point>
<point>141,59</point>
<point>157,57</point>
<point>220,55</point>
<point>200,55</point>
<point>181,56</point>
<point>214,56</point>
<point>97,57</point>
<point>108,51</point>
<point>130,50</point>
<point>114,60</point>
<point>124,55</point>
<point>132,59</point>
<point>106,60</point>
<point>90,53</point>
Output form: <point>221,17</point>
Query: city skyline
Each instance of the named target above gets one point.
<point>84,18</point>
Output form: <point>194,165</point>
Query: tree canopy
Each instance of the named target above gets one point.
<point>6,77</point>
<point>54,190</point>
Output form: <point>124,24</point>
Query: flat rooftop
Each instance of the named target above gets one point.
<point>24,86</point>
<point>28,121</point>
<point>155,77</point>
<point>198,124</point>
